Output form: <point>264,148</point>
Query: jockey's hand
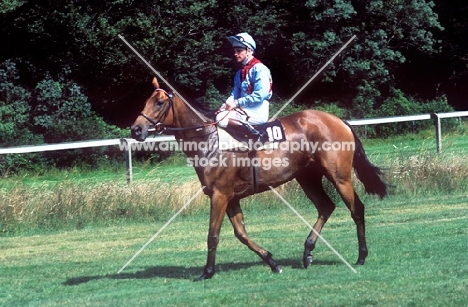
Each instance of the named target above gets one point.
<point>230,103</point>
<point>221,108</point>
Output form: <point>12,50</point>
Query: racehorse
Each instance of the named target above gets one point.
<point>227,184</point>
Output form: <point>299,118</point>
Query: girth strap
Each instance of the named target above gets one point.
<point>253,154</point>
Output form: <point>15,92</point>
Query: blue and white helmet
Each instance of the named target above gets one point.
<point>242,40</point>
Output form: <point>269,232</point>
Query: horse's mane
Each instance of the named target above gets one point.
<point>201,106</point>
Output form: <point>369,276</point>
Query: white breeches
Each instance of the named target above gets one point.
<point>256,116</point>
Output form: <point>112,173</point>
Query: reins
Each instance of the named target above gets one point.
<point>159,127</point>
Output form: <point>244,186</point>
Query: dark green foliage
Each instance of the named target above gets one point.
<point>447,71</point>
<point>186,41</point>
<point>54,111</point>
<point>66,75</point>
<point>399,105</point>
<point>14,109</point>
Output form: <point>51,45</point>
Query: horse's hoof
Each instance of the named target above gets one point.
<point>203,277</point>
<point>360,262</point>
<point>307,260</point>
<point>278,269</point>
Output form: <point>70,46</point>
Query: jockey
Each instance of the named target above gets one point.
<point>252,89</point>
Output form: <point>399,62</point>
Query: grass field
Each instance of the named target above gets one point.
<point>418,257</point>
<point>417,239</point>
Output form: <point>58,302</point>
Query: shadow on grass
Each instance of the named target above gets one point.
<point>180,272</point>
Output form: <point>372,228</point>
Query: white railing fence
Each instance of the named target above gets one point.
<point>125,144</point>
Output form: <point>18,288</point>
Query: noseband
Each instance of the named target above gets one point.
<point>158,124</point>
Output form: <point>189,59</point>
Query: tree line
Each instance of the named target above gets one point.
<point>65,75</point>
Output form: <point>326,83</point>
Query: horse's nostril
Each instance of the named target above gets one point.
<point>137,130</point>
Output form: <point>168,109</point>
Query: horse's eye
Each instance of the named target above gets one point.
<point>159,102</point>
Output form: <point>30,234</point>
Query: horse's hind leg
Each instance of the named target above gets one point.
<point>236,217</point>
<point>358,218</point>
<point>311,183</point>
<point>345,188</point>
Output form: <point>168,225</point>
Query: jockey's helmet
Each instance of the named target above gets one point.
<point>242,40</point>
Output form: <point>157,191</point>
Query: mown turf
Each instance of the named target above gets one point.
<point>417,258</point>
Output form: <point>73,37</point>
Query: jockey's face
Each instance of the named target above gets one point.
<point>241,54</point>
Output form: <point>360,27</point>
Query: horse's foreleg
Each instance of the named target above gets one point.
<point>236,217</point>
<point>217,212</point>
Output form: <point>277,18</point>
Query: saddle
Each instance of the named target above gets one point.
<point>239,142</point>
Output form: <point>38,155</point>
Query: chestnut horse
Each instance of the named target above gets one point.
<point>227,184</point>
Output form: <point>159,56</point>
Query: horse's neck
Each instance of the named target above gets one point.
<point>186,117</point>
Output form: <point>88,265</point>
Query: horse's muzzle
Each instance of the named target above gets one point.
<point>139,133</point>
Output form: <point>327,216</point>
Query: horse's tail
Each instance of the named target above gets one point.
<point>369,174</point>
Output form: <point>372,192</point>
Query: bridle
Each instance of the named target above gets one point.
<point>159,127</point>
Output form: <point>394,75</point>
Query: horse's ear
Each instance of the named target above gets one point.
<point>155,82</point>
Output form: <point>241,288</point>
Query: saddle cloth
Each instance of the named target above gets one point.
<point>274,130</point>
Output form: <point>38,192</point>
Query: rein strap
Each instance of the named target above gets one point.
<point>158,123</point>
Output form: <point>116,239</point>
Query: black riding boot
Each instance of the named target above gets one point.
<point>245,131</point>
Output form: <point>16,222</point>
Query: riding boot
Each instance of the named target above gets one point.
<point>245,131</point>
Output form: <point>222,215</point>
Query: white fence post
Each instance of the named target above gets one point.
<point>438,129</point>
<point>128,159</point>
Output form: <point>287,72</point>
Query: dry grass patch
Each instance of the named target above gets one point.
<point>68,203</point>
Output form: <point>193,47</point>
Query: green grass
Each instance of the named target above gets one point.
<point>417,258</point>
<point>169,171</point>
<point>65,234</point>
